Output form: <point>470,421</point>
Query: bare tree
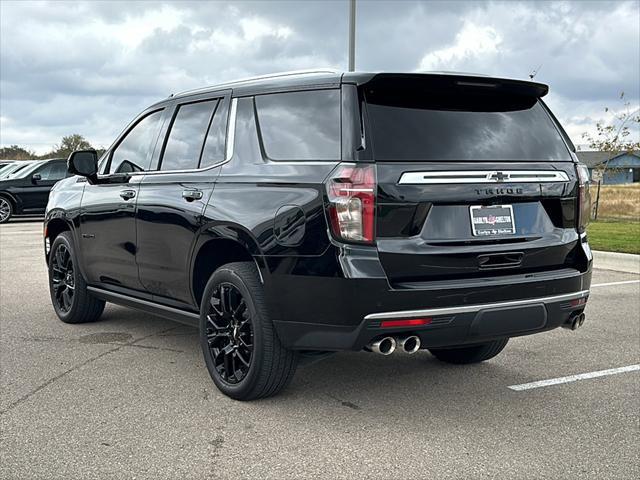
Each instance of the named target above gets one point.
<point>617,136</point>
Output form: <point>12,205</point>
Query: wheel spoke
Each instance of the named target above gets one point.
<point>241,358</point>
<point>240,309</point>
<point>57,269</point>
<point>59,259</point>
<point>57,285</point>
<point>59,291</point>
<point>215,304</point>
<point>224,299</point>
<point>66,299</point>
<point>228,360</point>
<point>229,333</point>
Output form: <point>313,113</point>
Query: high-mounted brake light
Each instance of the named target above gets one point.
<point>584,197</point>
<point>351,190</point>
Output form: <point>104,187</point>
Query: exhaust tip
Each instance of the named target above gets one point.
<point>581,320</point>
<point>410,344</point>
<point>574,322</point>
<point>384,346</point>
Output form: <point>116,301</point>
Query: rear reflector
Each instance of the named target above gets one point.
<point>413,322</point>
<point>578,301</point>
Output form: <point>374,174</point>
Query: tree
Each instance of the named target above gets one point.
<point>69,144</point>
<point>14,152</point>
<point>616,136</point>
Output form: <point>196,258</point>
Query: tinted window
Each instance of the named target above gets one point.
<point>213,151</point>
<point>186,138</point>
<point>246,148</point>
<point>53,171</point>
<point>462,127</point>
<point>300,125</point>
<point>134,152</point>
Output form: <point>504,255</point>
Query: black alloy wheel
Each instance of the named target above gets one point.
<point>229,331</point>
<point>63,278</point>
<point>71,300</point>
<point>241,348</point>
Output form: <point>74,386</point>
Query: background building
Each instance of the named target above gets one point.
<point>621,168</point>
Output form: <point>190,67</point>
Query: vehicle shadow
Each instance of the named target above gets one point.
<point>26,219</point>
<point>349,383</point>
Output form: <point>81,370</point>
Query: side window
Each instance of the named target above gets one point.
<point>246,148</point>
<point>54,171</point>
<point>133,154</point>
<point>43,171</point>
<point>186,137</point>
<point>214,146</point>
<point>300,125</point>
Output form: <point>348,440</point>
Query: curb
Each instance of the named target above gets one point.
<point>620,262</point>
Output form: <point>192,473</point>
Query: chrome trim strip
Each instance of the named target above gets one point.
<point>231,134</point>
<point>483,176</point>
<point>433,312</point>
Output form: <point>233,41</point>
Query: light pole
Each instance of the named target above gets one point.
<point>352,35</point>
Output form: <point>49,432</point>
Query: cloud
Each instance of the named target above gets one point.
<point>89,67</point>
<point>473,41</point>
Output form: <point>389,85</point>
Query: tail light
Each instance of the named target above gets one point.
<point>584,197</point>
<point>351,190</point>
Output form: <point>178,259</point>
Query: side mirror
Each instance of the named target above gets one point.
<point>84,163</point>
<point>36,177</point>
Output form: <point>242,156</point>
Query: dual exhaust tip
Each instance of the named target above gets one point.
<point>411,344</point>
<point>388,345</point>
<point>574,322</point>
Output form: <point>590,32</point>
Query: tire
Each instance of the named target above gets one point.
<point>241,349</point>
<point>69,296</point>
<point>6,209</point>
<point>472,354</point>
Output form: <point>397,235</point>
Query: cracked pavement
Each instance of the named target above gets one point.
<point>129,397</point>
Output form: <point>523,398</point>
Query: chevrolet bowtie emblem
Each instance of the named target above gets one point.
<point>498,176</point>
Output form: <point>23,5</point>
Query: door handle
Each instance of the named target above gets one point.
<point>127,194</point>
<point>191,195</point>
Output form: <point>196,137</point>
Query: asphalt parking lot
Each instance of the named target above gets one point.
<point>129,397</point>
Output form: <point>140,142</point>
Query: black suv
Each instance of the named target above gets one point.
<point>297,214</point>
<point>26,190</point>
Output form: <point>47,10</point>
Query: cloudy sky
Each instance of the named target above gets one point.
<point>89,67</point>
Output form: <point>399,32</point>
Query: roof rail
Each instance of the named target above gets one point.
<point>260,77</point>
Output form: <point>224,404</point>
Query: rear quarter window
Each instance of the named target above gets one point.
<point>300,125</point>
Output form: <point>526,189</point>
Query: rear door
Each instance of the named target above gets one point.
<point>474,180</point>
<point>172,198</point>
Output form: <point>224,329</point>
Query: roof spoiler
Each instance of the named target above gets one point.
<point>454,81</point>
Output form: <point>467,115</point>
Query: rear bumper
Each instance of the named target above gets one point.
<point>447,326</point>
<point>332,313</point>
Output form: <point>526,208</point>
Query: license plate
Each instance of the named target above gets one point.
<point>492,220</point>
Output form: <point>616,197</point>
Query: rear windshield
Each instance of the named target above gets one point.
<point>461,126</point>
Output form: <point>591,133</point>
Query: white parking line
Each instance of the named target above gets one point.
<point>615,283</point>
<point>573,378</point>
